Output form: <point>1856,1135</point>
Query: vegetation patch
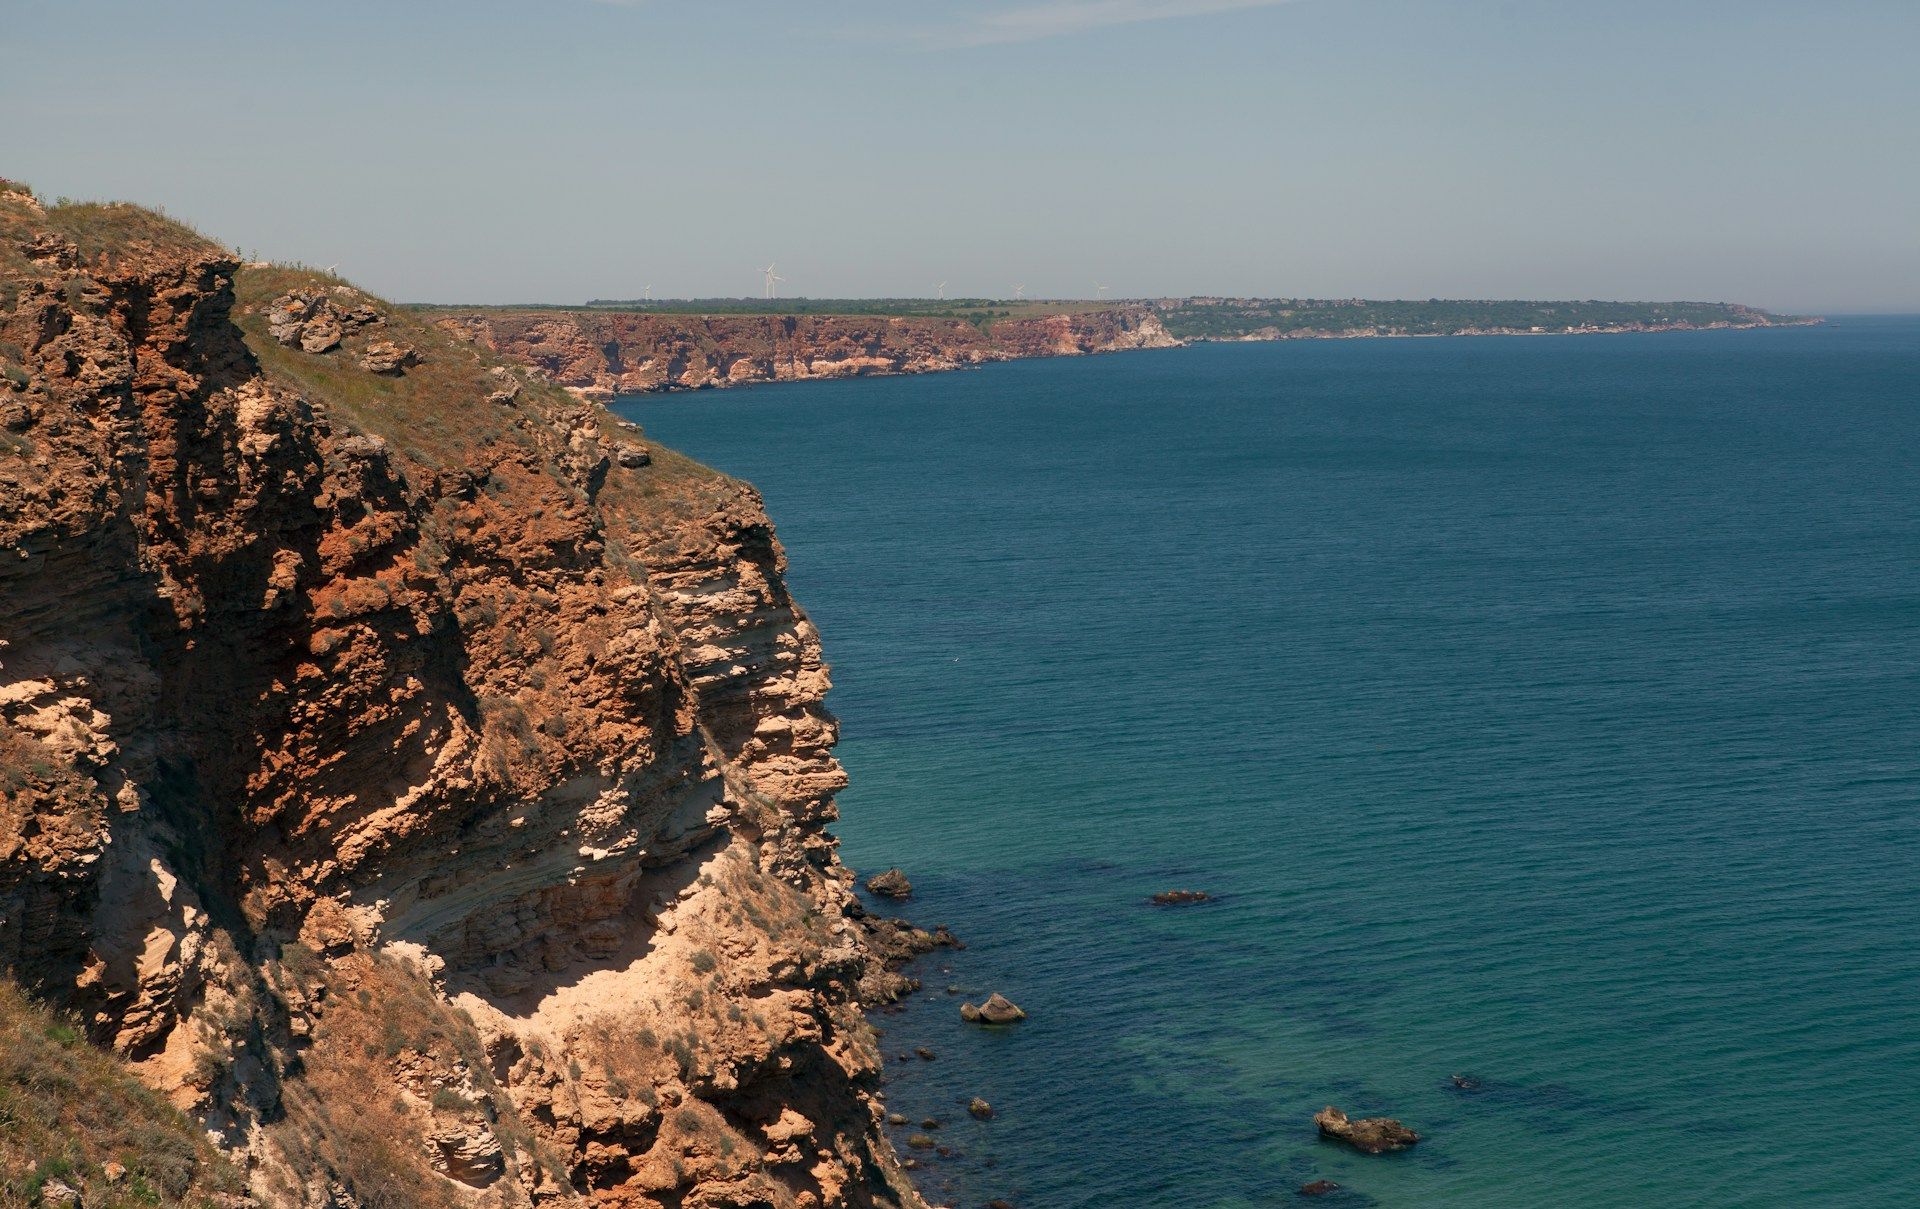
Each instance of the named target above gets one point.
<point>68,1109</point>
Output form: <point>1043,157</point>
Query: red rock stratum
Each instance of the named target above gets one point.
<point>603,352</point>
<point>406,770</point>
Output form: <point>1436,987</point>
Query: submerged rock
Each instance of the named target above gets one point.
<point>998,1009</point>
<point>1318,1188</point>
<point>892,884</point>
<point>1179,898</point>
<point>1371,1135</point>
<point>1465,1083</point>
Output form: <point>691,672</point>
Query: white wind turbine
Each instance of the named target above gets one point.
<point>940,291</point>
<point>647,293</point>
<point>773,280</point>
<point>1099,291</point>
<point>1019,292</point>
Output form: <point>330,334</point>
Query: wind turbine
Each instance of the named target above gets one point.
<point>1099,291</point>
<point>647,293</point>
<point>1019,292</point>
<point>940,291</point>
<point>773,280</point>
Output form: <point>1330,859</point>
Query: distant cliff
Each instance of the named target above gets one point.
<point>600,352</point>
<point>1346,318</point>
<point>406,771</point>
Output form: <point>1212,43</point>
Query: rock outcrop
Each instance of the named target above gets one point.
<point>1372,1135</point>
<point>603,352</point>
<point>997,1009</point>
<point>891,883</point>
<point>412,776</point>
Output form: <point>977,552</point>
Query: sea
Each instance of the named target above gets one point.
<point>1542,711</point>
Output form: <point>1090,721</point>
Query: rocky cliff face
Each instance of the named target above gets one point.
<point>601,353</point>
<point>407,771</point>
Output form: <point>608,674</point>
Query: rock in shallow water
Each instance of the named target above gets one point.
<point>1318,1188</point>
<point>1371,1135</point>
<point>998,1009</point>
<point>891,884</point>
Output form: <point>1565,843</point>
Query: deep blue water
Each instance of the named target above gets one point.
<point>1542,709</point>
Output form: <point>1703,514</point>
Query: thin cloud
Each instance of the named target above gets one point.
<point>1057,18</point>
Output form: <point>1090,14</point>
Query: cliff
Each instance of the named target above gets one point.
<point>603,352</point>
<point>408,772</point>
<point>1349,318</point>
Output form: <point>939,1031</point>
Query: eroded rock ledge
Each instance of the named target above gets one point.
<point>410,773</point>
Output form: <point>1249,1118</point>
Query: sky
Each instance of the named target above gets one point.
<point>1757,151</point>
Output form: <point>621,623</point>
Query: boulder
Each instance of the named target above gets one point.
<point>386,357</point>
<point>1370,1135</point>
<point>287,317</point>
<point>506,387</point>
<point>321,334</point>
<point>920,1141</point>
<point>998,1009</point>
<point>891,884</point>
<point>980,1109</point>
<point>1318,1188</point>
<point>633,456</point>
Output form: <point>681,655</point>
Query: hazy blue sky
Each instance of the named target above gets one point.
<point>1758,150</point>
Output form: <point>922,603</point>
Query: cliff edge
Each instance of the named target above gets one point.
<point>408,771</point>
<point>603,352</point>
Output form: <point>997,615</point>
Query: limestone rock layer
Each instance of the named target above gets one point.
<point>410,774</point>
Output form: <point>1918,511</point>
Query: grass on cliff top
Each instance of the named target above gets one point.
<point>108,227</point>
<point>67,1109</point>
<point>435,412</point>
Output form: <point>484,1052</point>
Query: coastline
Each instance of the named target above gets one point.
<point>1610,330</point>
<point>599,355</point>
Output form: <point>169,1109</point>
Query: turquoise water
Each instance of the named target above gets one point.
<point>1546,710</point>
